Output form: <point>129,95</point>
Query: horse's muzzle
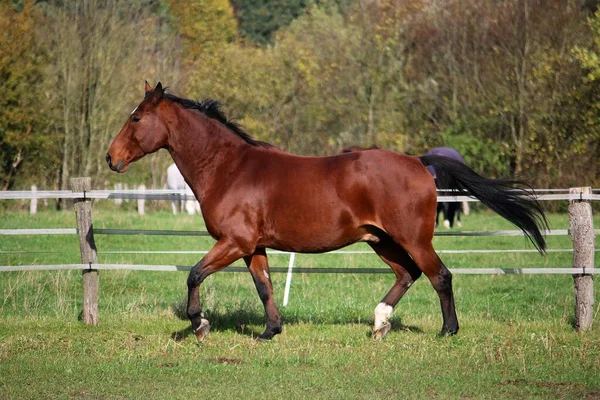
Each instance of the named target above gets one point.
<point>116,168</point>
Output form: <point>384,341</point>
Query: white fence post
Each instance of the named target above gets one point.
<point>288,280</point>
<point>118,200</point>
<point>141,203</point>
<point>581,226</point>
<point>34,200</point>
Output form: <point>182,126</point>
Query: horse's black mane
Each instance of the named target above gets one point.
<point>212,109</point>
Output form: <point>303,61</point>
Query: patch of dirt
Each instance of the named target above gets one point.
<point>559,387</point>
<point>550,385</point>
<point>226,360</point>
<point>566,385</point>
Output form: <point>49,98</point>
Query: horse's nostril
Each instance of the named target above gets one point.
<point>108,160</point>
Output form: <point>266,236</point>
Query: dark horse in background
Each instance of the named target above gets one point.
<point>449,210</point>
<point>254,197</point>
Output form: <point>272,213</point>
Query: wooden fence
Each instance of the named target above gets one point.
<point>581,230</point>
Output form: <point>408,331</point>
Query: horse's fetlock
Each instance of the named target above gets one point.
<point>194,314</point>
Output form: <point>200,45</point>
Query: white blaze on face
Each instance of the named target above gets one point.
<point>383,312</point>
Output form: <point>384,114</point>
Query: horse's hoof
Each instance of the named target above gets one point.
<point>448,332</point>
<point>380,333</point>
<point>446,224</point>
<point>264,337</point>
<point>269,333</point>
<point>202,330</point>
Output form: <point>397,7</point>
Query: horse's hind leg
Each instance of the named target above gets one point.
<point>452,213</point>
<point>259,269</point>
<point>406,272</point>
<point>441,279</point>
<point>447,220</point>
<point>458,212</point>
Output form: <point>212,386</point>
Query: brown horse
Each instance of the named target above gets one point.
<point>253,197</point>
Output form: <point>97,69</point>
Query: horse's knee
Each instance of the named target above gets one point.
<point>265,291</point>
<point>193,278</point>
<point>443,281</point>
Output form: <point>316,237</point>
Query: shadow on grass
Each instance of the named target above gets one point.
<point>398,326</point>
<point>243,322</point>
<point>238,321</point>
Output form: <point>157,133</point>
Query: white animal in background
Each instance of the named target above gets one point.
<point>175,181</point>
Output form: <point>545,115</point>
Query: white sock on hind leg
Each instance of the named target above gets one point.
<point>383,312</point>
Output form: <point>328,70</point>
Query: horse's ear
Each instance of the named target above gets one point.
<point>157,93</point>
<point>148,88</point>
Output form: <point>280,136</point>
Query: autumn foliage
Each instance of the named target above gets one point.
<point>511,84</point>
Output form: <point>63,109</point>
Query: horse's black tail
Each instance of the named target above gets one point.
<point>513,200</point>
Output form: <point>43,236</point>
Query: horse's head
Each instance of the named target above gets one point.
<point>144,132</point>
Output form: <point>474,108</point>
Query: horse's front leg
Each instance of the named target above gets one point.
<point>223,253</point>
<point>259,268</point>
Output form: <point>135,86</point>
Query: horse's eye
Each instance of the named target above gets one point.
<point>135,118</point>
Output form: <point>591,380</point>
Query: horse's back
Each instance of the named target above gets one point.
<point>373,176</point>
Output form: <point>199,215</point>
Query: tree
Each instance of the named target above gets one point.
<point>329,79</point>
<point>204,26</point>
<point>22,103</point>
<point>102,50</point>
<point>260,19</point>
<point>499,75</point>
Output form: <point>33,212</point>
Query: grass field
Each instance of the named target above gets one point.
<point>516,338</point>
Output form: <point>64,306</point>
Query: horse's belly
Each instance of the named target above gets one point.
<point>314,238</point>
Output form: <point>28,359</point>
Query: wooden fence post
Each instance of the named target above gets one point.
<point>87,245</point>
<point>581,227</point>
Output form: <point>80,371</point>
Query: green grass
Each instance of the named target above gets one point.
<point>516,338</point>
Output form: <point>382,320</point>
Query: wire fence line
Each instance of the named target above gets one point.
<point>303,270</point>
<point>582,272</point>
<point>74,231</point>
<point>163,232</point>
<point>278,252</point>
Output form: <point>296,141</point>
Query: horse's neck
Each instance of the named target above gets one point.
<point>200,147</point>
